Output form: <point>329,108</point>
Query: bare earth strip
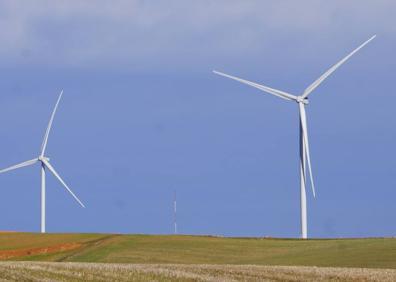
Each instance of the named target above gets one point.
<point>7,254</point>
<point>61,271</point>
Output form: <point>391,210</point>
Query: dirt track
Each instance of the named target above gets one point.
<point>8,254</point>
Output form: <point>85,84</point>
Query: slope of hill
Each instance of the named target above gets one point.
<point>371,253</point>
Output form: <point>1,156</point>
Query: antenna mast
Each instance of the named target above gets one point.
<point>174,213</point>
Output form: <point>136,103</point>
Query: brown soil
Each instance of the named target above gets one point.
<point>7,254</point>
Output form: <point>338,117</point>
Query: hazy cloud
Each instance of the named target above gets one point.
<point>148,34</point>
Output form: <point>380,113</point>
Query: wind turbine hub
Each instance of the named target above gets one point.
<point>41,158</point>
<point>302,100</point>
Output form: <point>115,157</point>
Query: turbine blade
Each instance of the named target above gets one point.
<point>47,132</point>
<point>50,167</point>
<point>303,118</point>
<point>267,89</point>
<point>27,163</point>
<point>317,82</point>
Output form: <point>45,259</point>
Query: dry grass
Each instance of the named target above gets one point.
<point>47,271</point>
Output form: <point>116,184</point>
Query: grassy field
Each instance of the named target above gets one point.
<point>146,249</point>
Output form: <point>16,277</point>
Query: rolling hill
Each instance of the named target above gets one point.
<point>163,249</point>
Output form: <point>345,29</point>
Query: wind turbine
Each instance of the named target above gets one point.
<point>44,162</point>
<point>302,101</point>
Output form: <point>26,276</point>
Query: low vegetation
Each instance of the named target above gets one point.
<point>138,249</point>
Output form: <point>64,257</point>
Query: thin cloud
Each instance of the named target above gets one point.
<point>177,34</point>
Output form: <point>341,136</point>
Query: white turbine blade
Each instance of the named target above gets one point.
<point>316,83</point>
<point>50,167</point>
<point>30,162</point>
<point>47,132</point>
<point>267,89</point>
<point>305,136</point>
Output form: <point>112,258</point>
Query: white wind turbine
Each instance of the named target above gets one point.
<point>44,161</point>
<point>301,100</point>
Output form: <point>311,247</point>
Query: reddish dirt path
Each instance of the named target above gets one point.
<point>7,254</point>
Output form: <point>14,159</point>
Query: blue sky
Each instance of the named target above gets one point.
<point>142,115</point>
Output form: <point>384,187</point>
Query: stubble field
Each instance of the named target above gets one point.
<point>44,271</point>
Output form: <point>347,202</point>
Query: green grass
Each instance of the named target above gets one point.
<point>146,249</point>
